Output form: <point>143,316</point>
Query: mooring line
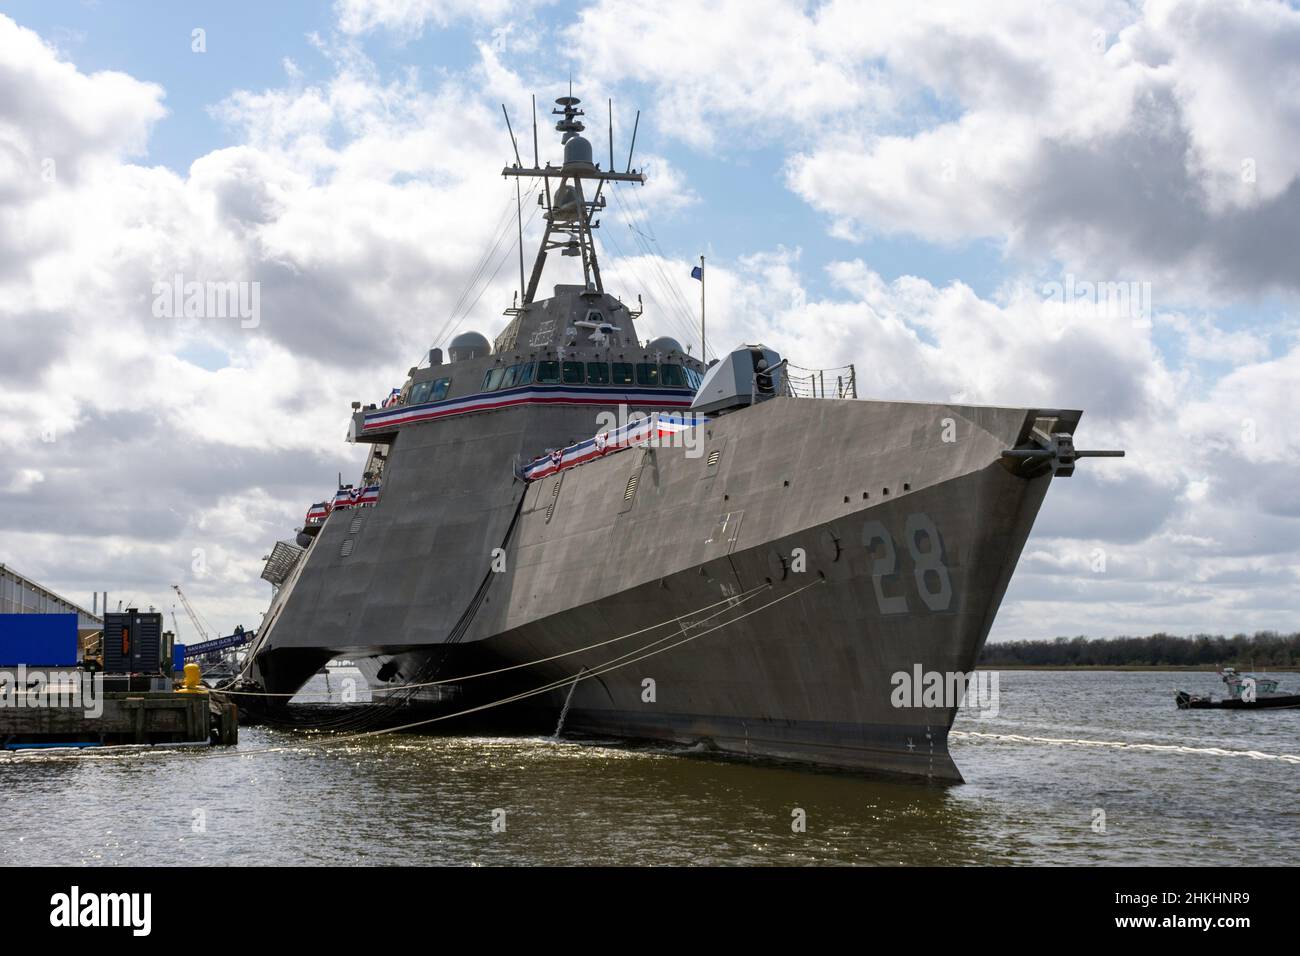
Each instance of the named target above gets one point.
<point>1124,745</point>
<point>611,665</point>
<point>729,602</point>
<point>605,668</point>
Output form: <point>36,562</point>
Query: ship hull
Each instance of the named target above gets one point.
<point>749,656</point>
<point>765,600</point>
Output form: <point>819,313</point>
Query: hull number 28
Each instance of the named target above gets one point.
<point>930,574</point>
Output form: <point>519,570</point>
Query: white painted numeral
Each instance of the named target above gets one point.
<point>885,566</point>
<point>928,567</point>
<point>928,561</point>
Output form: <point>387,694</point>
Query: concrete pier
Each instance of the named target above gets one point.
<point>122,717</point>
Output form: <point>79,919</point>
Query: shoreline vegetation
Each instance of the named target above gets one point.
<point>1261,651</point>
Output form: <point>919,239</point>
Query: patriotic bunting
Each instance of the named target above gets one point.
<point>386,419</point>
<point>346,497</point>
<point>635,433</point>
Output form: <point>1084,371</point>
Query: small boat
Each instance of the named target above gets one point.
<point>1245,692</point>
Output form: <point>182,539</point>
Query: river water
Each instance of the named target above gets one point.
<point>1031,796</point>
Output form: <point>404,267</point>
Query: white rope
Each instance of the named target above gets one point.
<point>544,689</point>
<point>602,669</point>
<point>731,601</point>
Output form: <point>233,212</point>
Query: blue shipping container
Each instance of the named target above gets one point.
<point>38,640</point>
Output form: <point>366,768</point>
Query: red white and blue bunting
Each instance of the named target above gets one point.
<point>640,432</point>
<point>388,418</point>
<point>346,497</point>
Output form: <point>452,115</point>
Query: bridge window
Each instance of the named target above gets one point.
<point>517,375</point>
<point>597,373</point>
<point>439,390</point>
<point>548,373</point>
<point>647,373</point>
<point>693,377</point>
<point>622,373</point>
<point>492,380</point>
<point>672,376</point>
<point>571,373</point>
<point>419,393</point>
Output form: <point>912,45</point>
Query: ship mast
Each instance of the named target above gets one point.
<point>570,214</point>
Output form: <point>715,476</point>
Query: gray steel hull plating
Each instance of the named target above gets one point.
<point>867,538</point>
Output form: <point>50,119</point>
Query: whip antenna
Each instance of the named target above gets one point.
<point>633,146</point>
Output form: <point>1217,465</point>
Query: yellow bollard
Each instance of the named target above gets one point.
<point>191,684</point>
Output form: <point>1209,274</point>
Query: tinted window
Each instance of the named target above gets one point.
<point>548,373</point>
<point>525,374</point>
<point>672,375</point>
<point>511,376</point>
<point>622,373</point>
<point>647,374</point>
<point>419,393</point>
<point>597,373</point>
<point>693,377</point>
<point>493,379</point>
<point>572,373</point>
<point>439,391</point>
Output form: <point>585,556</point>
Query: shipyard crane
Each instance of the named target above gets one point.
<point>194,615</point>
<point>221,654</point>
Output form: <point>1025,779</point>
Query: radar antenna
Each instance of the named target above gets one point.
<point>570,216</point>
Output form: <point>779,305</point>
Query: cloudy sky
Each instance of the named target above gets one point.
<point>905,186</point>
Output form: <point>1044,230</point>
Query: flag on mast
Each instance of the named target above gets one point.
<point>698,273</point>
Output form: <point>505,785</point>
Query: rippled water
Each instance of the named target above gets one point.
<point>414,799</point>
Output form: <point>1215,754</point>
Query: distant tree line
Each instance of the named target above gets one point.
<point>1260,650</point>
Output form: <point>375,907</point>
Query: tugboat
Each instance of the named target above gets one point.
<point>1245,692</point>
<point>575,520</point>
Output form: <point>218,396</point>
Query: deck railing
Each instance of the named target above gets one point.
<point>819,383</point>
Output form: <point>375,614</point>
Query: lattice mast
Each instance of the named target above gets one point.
<point>570,215</point>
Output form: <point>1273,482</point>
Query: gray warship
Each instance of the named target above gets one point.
<point>737,563</point>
